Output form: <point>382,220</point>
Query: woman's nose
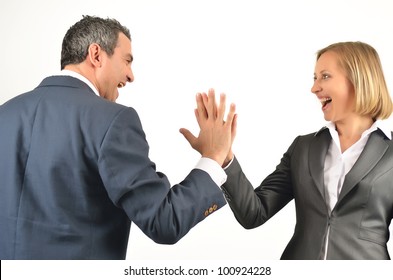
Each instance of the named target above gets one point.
<point>316,87</point>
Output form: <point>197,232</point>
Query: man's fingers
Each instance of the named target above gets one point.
<point>207,108</point>
<point>189,136</point>
<point>211,104</point>
<point>234,127</point>
<point>201,108</point>
<point>231,114</point>
<point>222,107</point>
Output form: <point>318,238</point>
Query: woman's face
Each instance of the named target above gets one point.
<point>333,89</point>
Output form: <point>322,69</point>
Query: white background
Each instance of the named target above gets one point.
<point>261,53</point>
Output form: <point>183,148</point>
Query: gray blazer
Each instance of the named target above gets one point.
<point>74,173</point>
<point>359,223</point>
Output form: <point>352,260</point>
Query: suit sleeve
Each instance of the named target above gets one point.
<point>253,208</point>
<point>163,213</point>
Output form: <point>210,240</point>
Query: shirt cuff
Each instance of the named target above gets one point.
<point>212,168</point>
<point>226,166</point>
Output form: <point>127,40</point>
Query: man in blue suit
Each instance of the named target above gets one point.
<point>74,166</point>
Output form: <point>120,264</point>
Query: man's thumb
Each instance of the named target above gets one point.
<point>188,135</point>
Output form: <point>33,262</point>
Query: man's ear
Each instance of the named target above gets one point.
<point>95,55</point>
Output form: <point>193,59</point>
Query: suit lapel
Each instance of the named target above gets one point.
<point>318,149</point>
<point>373,151</point>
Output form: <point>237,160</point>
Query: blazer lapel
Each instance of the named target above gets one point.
<point>318,149</point>
<point>373,151</point>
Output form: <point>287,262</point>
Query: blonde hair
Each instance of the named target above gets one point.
<point>363,68</point>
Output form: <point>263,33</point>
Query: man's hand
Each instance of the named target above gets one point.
<point>216,135</point>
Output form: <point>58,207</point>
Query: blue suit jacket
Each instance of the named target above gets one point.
<point>74,171</point>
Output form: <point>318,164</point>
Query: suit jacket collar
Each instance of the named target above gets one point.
<point>381,124</point>
<point>374,150</point>
<point>65,81</point>
<point>372,153</point>
<point>80,77</point>
<point>318,149</point>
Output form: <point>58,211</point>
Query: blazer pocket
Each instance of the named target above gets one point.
<point>373,236</point>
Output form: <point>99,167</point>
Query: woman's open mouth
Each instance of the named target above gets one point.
<point>325,101</point>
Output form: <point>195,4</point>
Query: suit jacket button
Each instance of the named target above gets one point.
<point>206,213</point>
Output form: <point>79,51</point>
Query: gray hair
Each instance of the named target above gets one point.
<point>89,30</point>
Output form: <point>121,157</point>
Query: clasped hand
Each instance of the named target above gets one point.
<point>216,135</point>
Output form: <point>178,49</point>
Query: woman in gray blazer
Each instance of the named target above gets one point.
<point>339,177</point>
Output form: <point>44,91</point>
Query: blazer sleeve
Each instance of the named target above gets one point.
<point>253,208</point>
<point>163,213</point>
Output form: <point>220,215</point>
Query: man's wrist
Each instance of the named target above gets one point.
<point>215,171</point>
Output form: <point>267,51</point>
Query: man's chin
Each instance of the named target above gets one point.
<point>112,97</point>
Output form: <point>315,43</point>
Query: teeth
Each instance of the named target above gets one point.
<point>325,100</point>
<point>120,85</point>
